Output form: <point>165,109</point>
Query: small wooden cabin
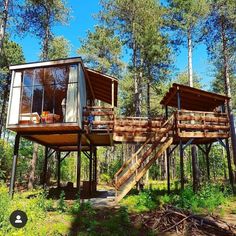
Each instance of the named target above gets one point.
<point>47,97</point>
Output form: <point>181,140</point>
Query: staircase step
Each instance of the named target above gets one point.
<point>132,183</point>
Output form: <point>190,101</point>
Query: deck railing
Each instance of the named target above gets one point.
<point>136,128</point>
<point>103,118</point>
<point>202,124</point>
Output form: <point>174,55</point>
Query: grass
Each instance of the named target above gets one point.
<point>207,200</point>
<point>58,217</point>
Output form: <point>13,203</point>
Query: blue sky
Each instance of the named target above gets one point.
<point>82,20</point>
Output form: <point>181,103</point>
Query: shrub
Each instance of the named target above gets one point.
<point>75,209</point>
<point>139,203</point>
<point>105,178</point>
<point>61,203</point>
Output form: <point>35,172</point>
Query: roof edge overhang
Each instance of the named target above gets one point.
<point>101,74</point>
<point>169,96</point>
<point>55,62</point>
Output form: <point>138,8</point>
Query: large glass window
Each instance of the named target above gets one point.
<point>47,95</point>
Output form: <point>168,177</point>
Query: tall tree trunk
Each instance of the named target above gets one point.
<point>195,166</point>
<point>148,99</point>
<point>228,90</point>
<point>195,169</point>
<point>33,166</point>
<point>3,23</point>
<point>190,57</point>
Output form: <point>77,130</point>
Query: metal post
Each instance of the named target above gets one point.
<point>166,111</point>
<point>112,94</point>
<point>58,169</point>
<point>45,167</point>
<point>208,148</point>
<point>168,169</point>
<point>95,167</point>
<point>167,157</point>
<point>178,100</point>
<point>14,163</point>
<point>90,168</point>
<point>181,151</point>
<point>78,162</point>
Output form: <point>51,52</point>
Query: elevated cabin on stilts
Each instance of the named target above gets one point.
<point>53,104</point>
<point>48,103</point>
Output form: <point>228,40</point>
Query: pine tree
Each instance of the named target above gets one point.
<point>220,29</point>
<point>186,17</point>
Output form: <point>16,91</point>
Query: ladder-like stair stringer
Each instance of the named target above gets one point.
<point>136,166</point>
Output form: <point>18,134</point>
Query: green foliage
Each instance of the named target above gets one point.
<point>61,202</point>
<point>207,199</point>
<point>44,203</point>
<point>5,159</point>
<point>68,169</point>
<point>185,15</point>
<point>105,178</point>
<point>39,17</point>
<point>59,47</point>
<point>12,54</point>
<point>182,78</point>
<point>144,201</point>
<point>75,209</point>
<point>4,205</point>
<point>102,50</point>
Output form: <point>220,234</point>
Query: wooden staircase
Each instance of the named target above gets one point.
<point>136,166</point>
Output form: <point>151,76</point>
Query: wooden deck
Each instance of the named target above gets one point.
<point>107,129</point>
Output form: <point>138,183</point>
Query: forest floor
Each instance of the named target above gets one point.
<point>147,213</point>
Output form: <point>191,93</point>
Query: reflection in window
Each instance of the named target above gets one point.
<point>28,77</point>
<point>37,99</point>
<point>39,76</point>
<point>26,100</point>
<point>60,95</point>
<point>46,97</point>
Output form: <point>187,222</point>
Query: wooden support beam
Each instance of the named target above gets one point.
<point>112,94</point>
<point>202,135</point>
<point>203,127</point>
<point>14,165</point>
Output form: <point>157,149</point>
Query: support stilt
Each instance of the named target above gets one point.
<point>58,169</point>
<point>14,164</point>
<point>95,168</point>
<point>45,167</point>
<point>208,149</point>
<point>90,168</point>
<point>181,151</point>
<point>168,169</point>
<point>78,163</point>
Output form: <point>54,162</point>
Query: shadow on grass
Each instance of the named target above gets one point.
<point>106,221</point>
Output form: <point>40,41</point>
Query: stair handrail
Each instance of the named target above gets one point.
<point>142,147</point>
